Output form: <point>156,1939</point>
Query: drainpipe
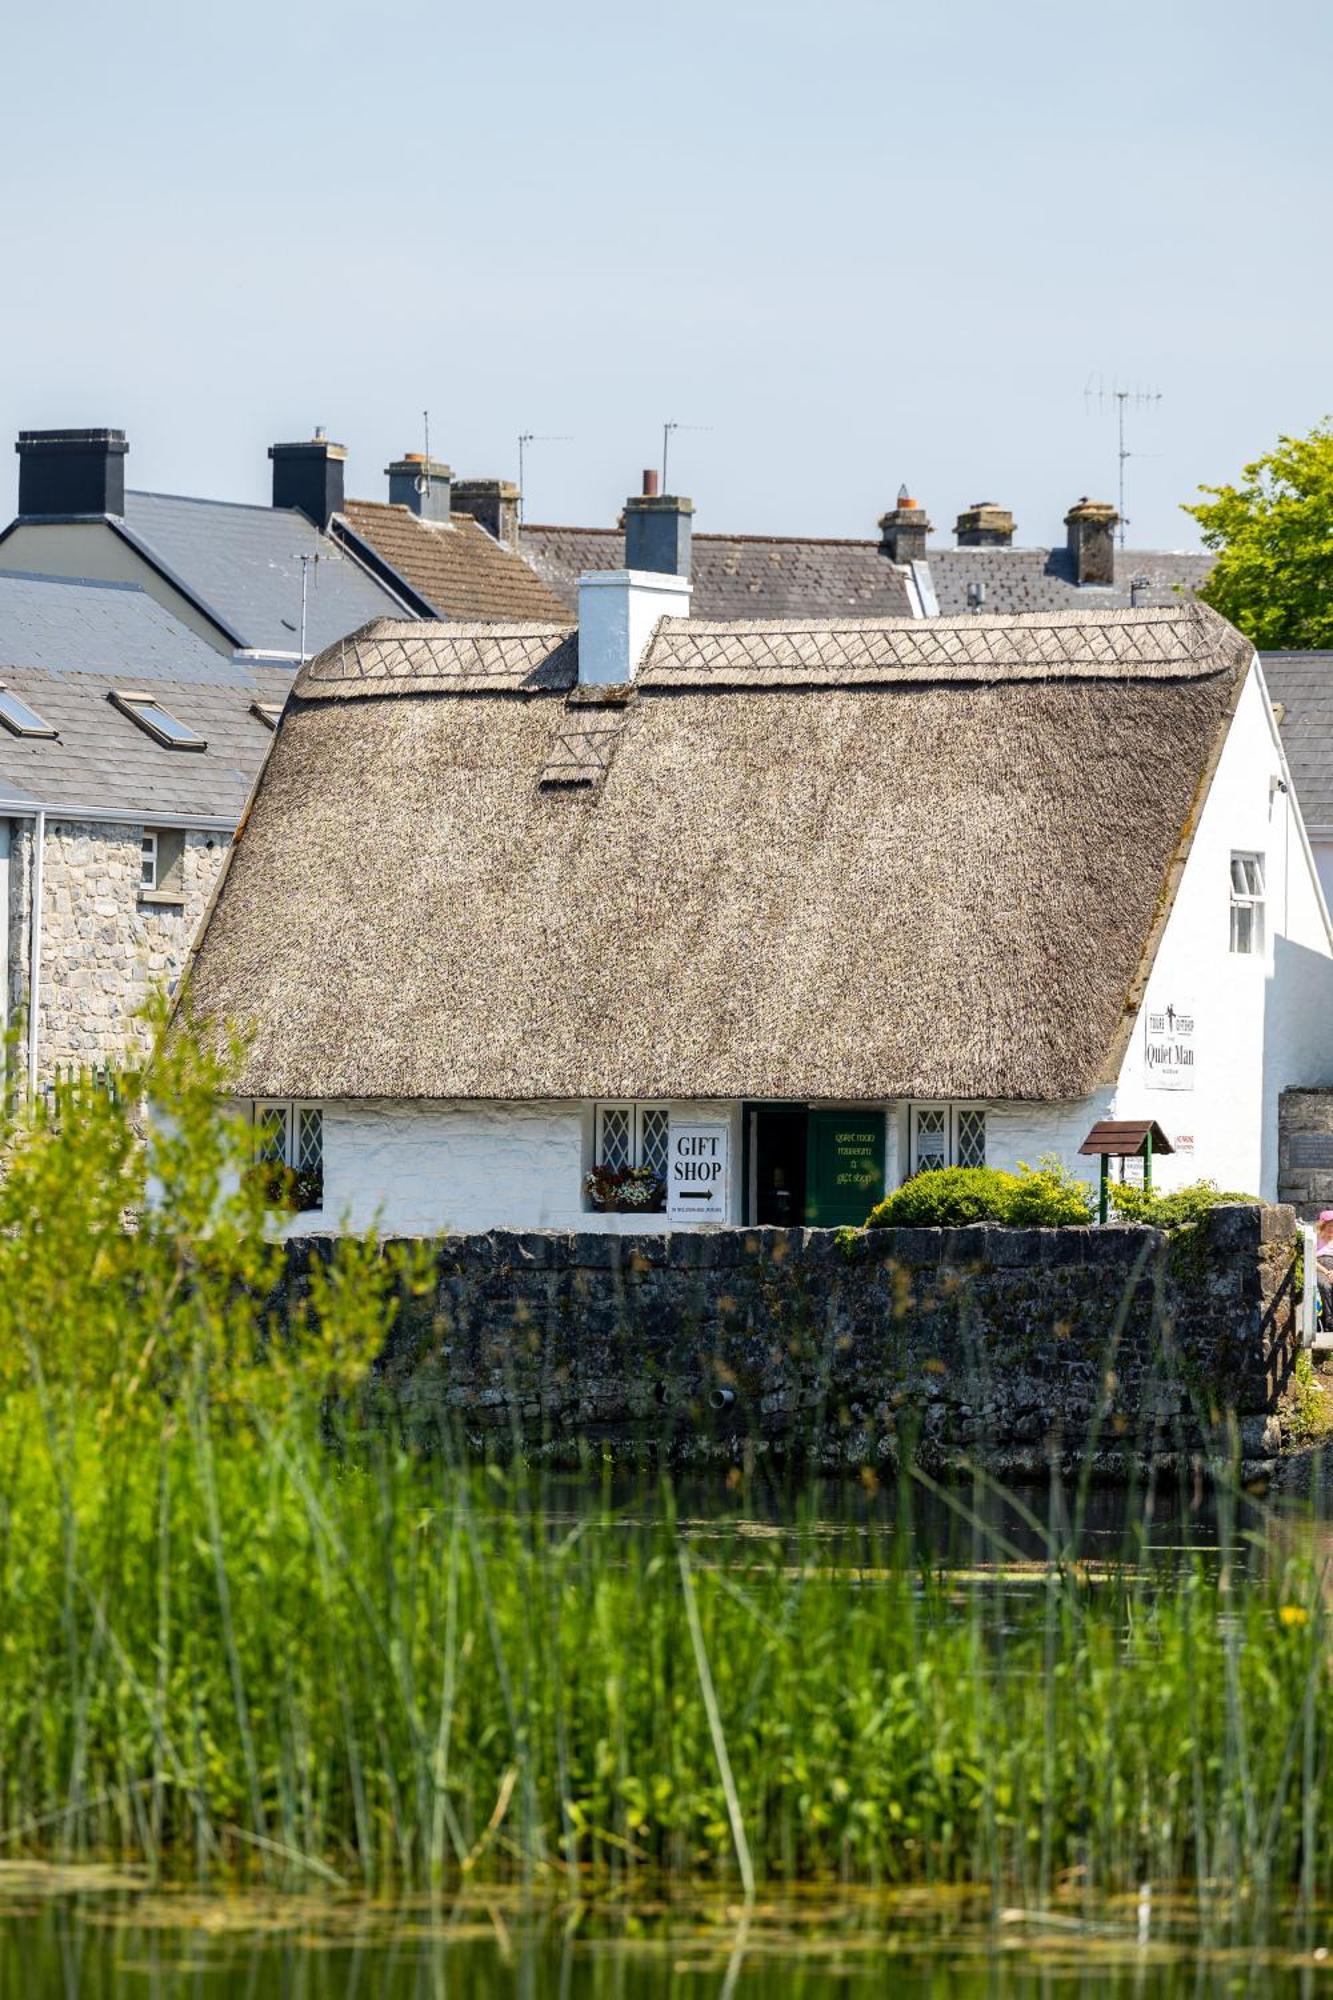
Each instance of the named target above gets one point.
<point>35,947</point>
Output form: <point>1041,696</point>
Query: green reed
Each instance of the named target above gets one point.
<point>243,1628</point>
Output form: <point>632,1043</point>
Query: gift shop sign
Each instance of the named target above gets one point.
<point>1168,1056</point>
<point>697,1172</point>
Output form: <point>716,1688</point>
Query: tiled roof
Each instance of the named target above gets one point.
<point>460,570</point>
<point>1043,579</point>
<point>242,564</point>
<point>740,576</point>
<point>1302,684</point>
<point>64,646</point>
<point>747,576</point>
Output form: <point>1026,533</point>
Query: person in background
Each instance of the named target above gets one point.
<point>1323,1250</point>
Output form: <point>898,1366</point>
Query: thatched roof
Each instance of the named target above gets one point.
<point>816,861</point>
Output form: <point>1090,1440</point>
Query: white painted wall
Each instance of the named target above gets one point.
<point>419,1169</point>
<point>1264,1022</point>
<point>1321,846</point>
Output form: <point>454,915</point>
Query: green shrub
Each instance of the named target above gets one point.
<point>1044,1197</point>
<point>946,1197</point>
<point>1048,1196</point>
<point>1180,1209</point>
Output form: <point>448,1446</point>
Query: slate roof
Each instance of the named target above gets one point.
<point>65,645</point>
<point>747,576</point>
<point>1019,580</point>
<point>456,567</point>
<point>739,576</point>
<point>1302,685</point>
<point>241,564</point>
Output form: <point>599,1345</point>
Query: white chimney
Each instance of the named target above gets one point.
<point>618,613</point>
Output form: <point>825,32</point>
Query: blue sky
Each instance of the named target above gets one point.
<point>855,243</point>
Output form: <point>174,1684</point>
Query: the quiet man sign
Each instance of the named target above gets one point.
<point>697,1173</point>
<point>1169,1048</point>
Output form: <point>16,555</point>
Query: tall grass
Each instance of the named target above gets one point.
<point>242,1629</point>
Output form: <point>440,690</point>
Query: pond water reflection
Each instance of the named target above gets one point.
<point>82,1949</point>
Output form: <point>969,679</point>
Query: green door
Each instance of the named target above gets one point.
<point>844,1167</point>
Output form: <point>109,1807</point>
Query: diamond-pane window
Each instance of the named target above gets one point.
<point>617,1133</point>
<point>653,1139</point>
<point>310,1141</point>
<point>932,1138</point>
<point>971,1139</point>
<point>271,1133</point>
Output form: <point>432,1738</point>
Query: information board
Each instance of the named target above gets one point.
<point>698,1171</point>
<point>1169,1047</point>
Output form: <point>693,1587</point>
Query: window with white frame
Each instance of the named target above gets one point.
<point>947,1135</point>
<point>289,1146</point>
<point>162,865</point>
<point>629,1156</point>
<point>1247,905</point>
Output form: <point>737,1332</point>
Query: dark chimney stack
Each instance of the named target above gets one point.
<point>1090,526</point>
<point>309,477</point>
<point>984,526</point>
<point>658,530</point>
<point>903,531</point>
<point>71,472</point>
<point>420,483</point>
<point>491,502</point>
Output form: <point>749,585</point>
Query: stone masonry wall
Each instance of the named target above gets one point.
<point>105,946</point>
<point>1017,1347</point>
<point>1305,1151</point>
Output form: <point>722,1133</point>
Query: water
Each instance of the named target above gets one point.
<point>82,1946</point>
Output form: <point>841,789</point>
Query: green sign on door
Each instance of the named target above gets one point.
<point>844,1167</point>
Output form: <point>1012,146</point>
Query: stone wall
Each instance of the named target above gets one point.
<point>1015,1346</point>
<point>105,946</point>
<point>1305,1150</point>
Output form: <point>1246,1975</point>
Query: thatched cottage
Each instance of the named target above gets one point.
<point>526,923</point>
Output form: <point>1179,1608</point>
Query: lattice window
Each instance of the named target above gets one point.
<point>1247,904</point>
<point>947,1135</point>
<point>931,1147</point>
<point>615,1146</point>
<point>653,1138</point>
<point>970,1139</point>
<point>309,1141</point>
<point>271,1133</point>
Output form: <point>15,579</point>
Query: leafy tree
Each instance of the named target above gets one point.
<point>1273,534</point>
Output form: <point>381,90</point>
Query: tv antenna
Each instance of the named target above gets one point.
<point>307,557</point>
<point>525,438</point>
<point>667,430</point>
<point>1122,400</point>
<point>422,482</point>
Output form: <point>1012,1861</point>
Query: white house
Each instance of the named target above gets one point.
<point>781,910</point>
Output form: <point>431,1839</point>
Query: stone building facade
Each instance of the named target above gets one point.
<point>108,943</point>
<point>128,748</point>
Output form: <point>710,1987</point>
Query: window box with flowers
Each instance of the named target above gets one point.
<point>631,1154</point>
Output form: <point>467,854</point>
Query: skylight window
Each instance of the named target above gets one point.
<point>156,721</point>
<point>269,712</point>
<point>19,719</point>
